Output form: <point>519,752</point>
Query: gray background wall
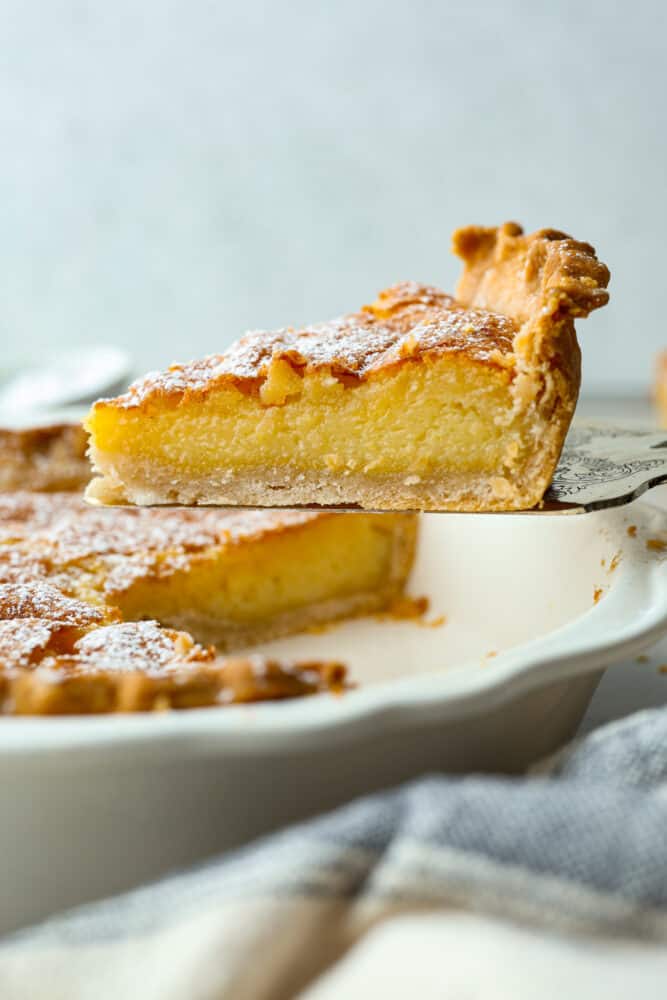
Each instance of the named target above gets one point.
<point>174,172</point>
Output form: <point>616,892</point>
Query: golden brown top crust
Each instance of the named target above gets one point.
<point>507,277</point>
<point>41,600</point>
<point>44,458</point>
<point>25,511</point>
<point>18,564</point>
<point>406,321</point>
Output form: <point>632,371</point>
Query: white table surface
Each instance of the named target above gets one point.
<point>630,685</point>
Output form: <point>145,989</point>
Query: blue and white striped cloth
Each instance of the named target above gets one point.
<point>551,885</point>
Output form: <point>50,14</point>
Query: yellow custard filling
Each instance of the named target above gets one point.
<point>329,559</point>
<point>425,416</point>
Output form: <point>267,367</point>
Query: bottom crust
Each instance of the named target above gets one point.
<point>231,637</point>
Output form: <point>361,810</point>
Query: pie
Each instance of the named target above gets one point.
<point>52,457</point>
<point>418,401</point>
<point>94,603</point>
<point>231,577</point>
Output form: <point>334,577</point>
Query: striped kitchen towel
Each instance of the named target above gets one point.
<point>549,885</point>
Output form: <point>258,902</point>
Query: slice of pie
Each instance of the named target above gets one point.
<point>418,401</point>
<point>234,578</point>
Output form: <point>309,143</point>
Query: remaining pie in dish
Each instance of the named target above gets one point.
<point>418,401</point>
<point>70,574</point>
<point>234,578</point>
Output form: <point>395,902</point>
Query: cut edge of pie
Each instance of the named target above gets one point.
<point>231,578</point>
<point>296,577</point>
<point>417,402</point>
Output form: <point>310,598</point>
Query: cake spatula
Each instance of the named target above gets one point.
<point>605,466</point>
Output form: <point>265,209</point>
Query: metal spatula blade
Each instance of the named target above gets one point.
<point>605,466</point>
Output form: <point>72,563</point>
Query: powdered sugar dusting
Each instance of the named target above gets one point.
<point>138,646</point>
<point>40,600</point>
<point>18,565</point>
<point>21,640</point>
<point>409,315</point>
<point>48,535</point>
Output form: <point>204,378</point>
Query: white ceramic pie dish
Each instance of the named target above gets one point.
<point>94,805</point>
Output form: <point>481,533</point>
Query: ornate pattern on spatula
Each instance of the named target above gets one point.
<point>605,466</point>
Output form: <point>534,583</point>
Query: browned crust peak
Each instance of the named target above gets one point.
<point>520,275</point>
